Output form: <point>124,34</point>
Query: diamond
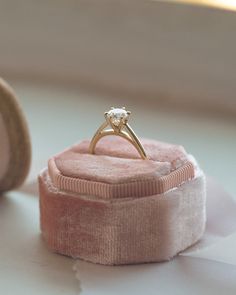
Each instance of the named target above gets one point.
<point>118,116</point>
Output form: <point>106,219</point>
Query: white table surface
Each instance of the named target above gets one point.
<point>58,117</point>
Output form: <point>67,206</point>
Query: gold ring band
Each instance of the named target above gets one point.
<point>117,119</point>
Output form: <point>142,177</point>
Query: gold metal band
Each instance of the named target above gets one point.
<point>118,120</point>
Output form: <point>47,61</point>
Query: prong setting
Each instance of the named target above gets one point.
<point>117,118</point>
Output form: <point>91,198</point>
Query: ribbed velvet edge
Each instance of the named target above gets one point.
<point>130,189</point>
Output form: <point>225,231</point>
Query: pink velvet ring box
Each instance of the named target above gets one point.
<point>115,208</point>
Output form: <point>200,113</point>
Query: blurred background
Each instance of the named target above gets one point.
<point>171,63</point>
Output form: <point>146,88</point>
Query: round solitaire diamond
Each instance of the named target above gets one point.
<point>117,116</point>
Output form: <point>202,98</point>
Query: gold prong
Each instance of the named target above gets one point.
<point>128,112</point>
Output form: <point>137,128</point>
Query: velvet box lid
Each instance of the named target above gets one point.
<point>117,171</point>
<point>115,208</point>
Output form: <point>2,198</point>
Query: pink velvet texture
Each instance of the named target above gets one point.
<point>101,208</point>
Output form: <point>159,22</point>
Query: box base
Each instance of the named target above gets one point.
<point>125,230</point>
